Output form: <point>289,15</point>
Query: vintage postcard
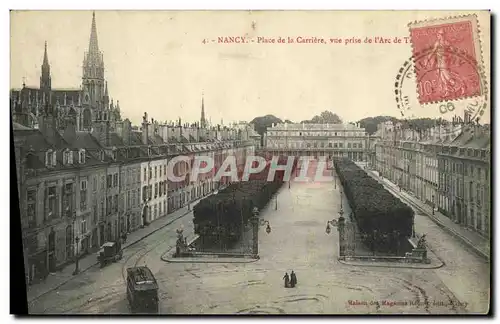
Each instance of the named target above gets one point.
<point>252,162</point>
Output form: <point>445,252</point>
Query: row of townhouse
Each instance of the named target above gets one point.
<point>79,189</point>
<point>447,167</point>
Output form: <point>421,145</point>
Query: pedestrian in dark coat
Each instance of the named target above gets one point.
<point>293,279</point>
<point>287,280</point>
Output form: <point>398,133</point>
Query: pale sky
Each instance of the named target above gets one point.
<point>155,61</point>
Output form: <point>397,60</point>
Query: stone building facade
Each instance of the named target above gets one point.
<point>331,140</point>
<point>447,167</point>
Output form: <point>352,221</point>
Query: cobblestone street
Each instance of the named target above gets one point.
<point>298,241</point>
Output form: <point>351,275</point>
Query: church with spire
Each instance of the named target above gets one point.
<point>87,106</point>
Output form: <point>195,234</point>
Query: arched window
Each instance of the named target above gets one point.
<point>81,156</point>
<point>50,158</point>
<point>68,157</point>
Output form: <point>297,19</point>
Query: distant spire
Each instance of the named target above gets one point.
<point>45,79</point>
<point>203,122</point>
<point>45,56</point>
<point>93,45</point>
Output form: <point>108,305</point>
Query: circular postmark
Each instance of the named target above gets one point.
<point>420,77</point>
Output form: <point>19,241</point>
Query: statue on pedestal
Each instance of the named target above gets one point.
<point>181,244</point>
<point>421,244</point>
<point>421,249</point>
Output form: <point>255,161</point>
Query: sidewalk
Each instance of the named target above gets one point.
<point>55,280</point>
<point>435,264</point>
<point>478,243</point>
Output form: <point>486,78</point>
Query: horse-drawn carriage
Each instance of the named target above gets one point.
<point>110,252</point>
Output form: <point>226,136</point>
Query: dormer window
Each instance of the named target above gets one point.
<point>50,158</point>
<point>114,154</point>
<point>102,155</point>
<point>81,156</point>
<point>68,157</point>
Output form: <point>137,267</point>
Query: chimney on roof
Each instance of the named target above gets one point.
<point>478,131</point>
<point>144,129</point>
<point>466,117</point>
<point>195,131</point>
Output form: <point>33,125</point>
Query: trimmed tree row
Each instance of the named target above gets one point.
<point>223,215</point>
<point>382,218</point>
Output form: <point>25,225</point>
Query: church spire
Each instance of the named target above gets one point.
<point>45,79</point>
<point>45,56</point>
<point>105,98</point>
<point>203,121</point>
<point>93,44</point>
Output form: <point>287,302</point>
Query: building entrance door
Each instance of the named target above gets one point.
<point>52,251</point>
<point>145,215</point>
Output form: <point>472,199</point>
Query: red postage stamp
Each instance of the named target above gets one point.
<point>447,58</point>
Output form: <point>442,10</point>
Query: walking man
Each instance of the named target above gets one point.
<point>293,279</point>
<point>287,280</point>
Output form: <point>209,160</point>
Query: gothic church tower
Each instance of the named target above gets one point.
<point>93,72</point>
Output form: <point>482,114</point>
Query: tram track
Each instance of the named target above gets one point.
<point>126,247</point>
<point>110,292</point>
<point>116,288</point>
<point>140,258</point>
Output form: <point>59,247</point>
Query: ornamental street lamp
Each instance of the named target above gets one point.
<point>181,243</point>
<point>266,222</point>
<point>256,222</point>
<point>340,224</point>
<point>341,212</point>
<point>77,270</point>
<point>330,222</point>
<point>374,241</point>
<point>413,226</point>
